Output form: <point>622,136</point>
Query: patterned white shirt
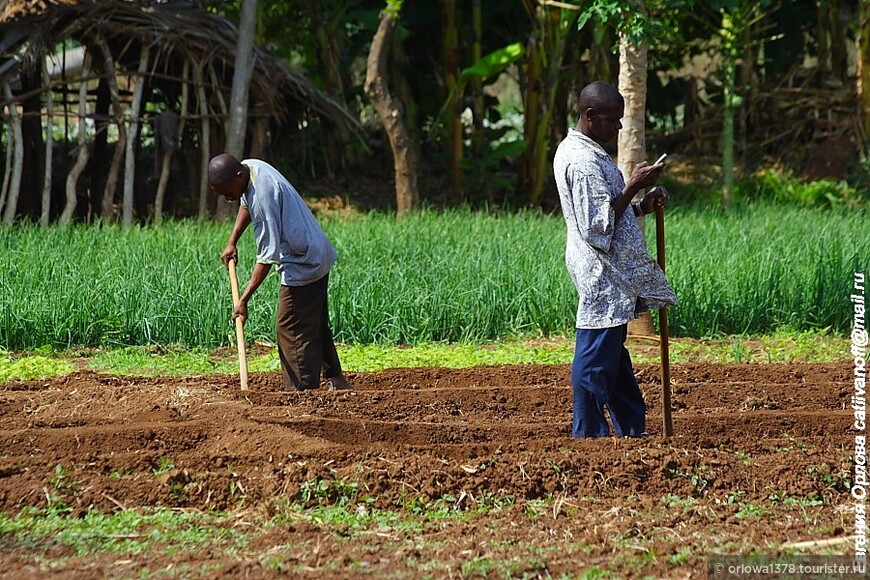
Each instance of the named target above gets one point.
<point>613,273</point>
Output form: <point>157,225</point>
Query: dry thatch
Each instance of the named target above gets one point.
<point>69,56</point>
<point>175,31</point>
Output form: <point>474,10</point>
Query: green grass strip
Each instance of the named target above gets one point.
<point>781,347</point>
<point>125,532</point>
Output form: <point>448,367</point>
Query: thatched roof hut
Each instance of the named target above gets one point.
<point>82,62</point>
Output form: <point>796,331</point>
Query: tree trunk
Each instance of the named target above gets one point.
<point>478,138</point>
<point>745,89</point>
<point>454,98</point>
<point>327,37</point>
<point>7,172</point>
<point>832,41</point>
<point>259,138</point>
<point>603,64</point>
<point>330,39</point>
<point>32,107</point>
<point>166,163</point>
<point>823,39</point>
<point>631,143</point>
<point>98,167</point>
<point>546,48</point>
<point>571,80</point>
<point>728,142</point>
<point>222,102</point>
<point>83,153</point>
<point>238,118</point>
<point>390,112</point>
<point>165,166</point>
<point>531,107</point>
<point>45,208</point>
<point>114,169</point>
<point>204,142</point>
<point>17,144</point>
<point>729,32</point>
<point>132,138</point>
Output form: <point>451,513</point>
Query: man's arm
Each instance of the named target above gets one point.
<point>257,276</point>
<point>242,222</point>
<point>642,176</point>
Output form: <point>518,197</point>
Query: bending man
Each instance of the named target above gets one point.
<point>289,238</point>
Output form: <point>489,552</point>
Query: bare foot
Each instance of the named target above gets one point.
<point>339,383</point>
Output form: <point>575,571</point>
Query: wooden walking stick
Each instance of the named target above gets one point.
<point>240,328</point>
<point>663,330</point>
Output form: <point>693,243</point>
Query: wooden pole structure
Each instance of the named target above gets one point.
<point>663,330</point>
<point>240,329</point>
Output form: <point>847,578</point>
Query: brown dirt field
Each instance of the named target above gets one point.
<point>761,457</point>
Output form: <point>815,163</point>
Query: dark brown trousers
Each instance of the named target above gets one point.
<point>305,343</point>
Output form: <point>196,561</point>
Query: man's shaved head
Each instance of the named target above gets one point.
<point>601,110</point>
<point>227,176</point>
<point>599,95</point>
<point>222,169</point>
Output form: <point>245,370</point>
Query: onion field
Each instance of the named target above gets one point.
<point>458,276</point>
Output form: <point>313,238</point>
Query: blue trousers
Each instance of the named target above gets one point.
<point>601,375</point>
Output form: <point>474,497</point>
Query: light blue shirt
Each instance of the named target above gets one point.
<point>285,230</point>
<point>613,273</point>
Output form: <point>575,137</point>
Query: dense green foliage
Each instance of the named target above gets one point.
<point>447,276</point>
<point>768,47</point>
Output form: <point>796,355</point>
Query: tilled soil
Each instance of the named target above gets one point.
<point>761,457</point>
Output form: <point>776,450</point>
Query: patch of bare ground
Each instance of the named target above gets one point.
<point>760,458</point>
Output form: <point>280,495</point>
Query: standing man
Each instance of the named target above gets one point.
<point>289,238</point>
<point>615,277</point>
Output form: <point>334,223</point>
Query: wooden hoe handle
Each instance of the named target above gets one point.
<point>240,328</point>
<point>663,330</point>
